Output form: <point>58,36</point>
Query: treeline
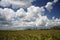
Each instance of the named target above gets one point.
<point>52,28</point>
<point>56,27</point>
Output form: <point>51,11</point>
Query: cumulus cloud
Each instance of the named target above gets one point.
<point>32,18</point>
<point>16,3</point>
<point>49,5</point>
<point>21,20</point>
<point>55,1</point>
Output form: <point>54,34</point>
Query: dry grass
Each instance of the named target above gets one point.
<point>30,35</point>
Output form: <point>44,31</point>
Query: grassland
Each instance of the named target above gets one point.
<point>30,35</point>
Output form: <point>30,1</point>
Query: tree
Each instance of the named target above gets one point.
<point>56,27</point>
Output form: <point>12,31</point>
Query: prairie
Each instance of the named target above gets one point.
<point>30,35</point>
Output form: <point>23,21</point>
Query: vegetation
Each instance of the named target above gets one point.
<point>30,35</point>
<point>56,27</point>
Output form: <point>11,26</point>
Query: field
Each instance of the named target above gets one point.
<point>30,35</point>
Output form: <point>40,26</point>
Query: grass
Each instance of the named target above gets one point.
<point>30,35</point>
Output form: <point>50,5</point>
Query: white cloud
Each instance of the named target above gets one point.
<point>32,18</point>
<point>16,3</point>
<point>55,1</point>
<point>51,23</point>
<point>24,20</point>
<point>7,13</point>
<point>49,5</point>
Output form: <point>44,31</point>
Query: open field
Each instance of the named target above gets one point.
<point>30,35</point>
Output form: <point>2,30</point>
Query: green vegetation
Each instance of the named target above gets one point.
<point>56,27</point>
<point>30,35</point>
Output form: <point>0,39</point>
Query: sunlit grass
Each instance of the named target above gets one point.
<point>30,35</point>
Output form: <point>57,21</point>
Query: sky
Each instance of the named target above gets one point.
<point>25,14</point>
<point>54,12</point>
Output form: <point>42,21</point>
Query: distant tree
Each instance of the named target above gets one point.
<point>56,27</point>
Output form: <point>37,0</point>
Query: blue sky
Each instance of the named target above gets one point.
<point>29,13</point>
<point>55,11</point>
